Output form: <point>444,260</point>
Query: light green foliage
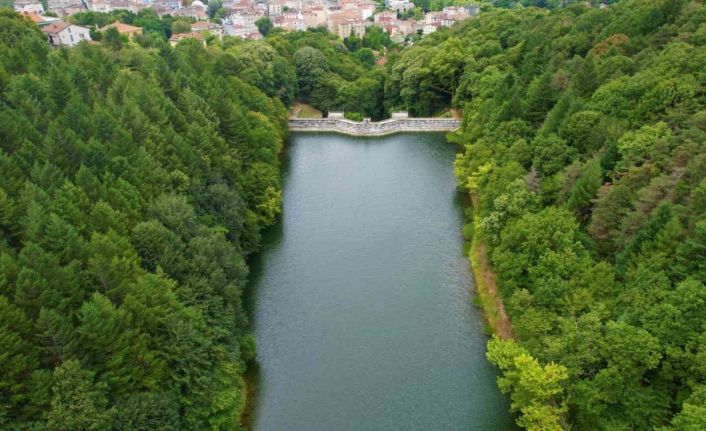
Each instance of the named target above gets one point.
<point>536,391</point>
<point>181,26</point>
<point>581,131</point>
<point>527,240</point>
<point>551,154</point>
<point>648,143</point>
<point>77,402</point>
<point>516,200</point>
<point>693,415</point>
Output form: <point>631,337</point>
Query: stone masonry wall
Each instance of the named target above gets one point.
<point>369,128</point>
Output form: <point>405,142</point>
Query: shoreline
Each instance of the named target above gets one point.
<point>249,394</point>
<point>251,376</point>
<point>484,281</point>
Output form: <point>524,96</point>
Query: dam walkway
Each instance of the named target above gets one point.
<point>373,128</point>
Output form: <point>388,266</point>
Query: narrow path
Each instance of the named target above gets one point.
<point>304,110</point>
<point>486,287</point>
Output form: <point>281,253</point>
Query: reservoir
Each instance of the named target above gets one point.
<point>361,297</point>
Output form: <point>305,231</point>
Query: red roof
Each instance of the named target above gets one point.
<point>56,27</point>
<point>123,28</point>
<point>35,17</point>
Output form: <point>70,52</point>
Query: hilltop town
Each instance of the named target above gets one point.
<point>400,19</point>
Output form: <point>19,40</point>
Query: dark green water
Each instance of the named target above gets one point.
<point>362,297</point>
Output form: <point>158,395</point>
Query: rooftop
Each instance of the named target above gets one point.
<point>122,27</point>
<point>190,35</point>
<point>55,27</point>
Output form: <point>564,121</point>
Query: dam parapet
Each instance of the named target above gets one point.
<point>398,123</point>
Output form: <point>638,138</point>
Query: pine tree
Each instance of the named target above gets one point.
<point>7,216</point>
<point>586,80</point>
<point>691,255</point>
<point>540,98</point>
<point>79,402</point>
<point>585,189</point>
<point>18,359</point>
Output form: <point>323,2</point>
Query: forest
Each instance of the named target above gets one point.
<point>584,148</point>
<point>137,177</point>
<point>135,183</point>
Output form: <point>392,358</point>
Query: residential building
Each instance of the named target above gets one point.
<point>247,18</point>
<point>191,35</point>
<point>62,33</point>
<point>196,10</point>
<point>107,6</point>
<point>385,16</point>
<point>128,30</point>
<point>400,6</point>
<point>28,6</point>
<point>239,30</point>
<point>346,22</point>
<point>66,7</point>
<point>208,27</point>
<point>430,28</point>
<point>274,8</point>
<point>316,16</point>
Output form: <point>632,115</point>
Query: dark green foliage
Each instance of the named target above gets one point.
<point>264,26</point>
<point>112,39</point>
<point>311,69</point>
<point>366,56</point>
<point>331,75</point>
<point>135,183</point>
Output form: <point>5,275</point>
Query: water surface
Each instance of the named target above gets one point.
<point>362,297</point>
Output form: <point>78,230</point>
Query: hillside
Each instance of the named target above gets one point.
<point>134,184</point>
<point>585,143</point>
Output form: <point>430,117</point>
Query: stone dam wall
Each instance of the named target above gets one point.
<point>370,128</point>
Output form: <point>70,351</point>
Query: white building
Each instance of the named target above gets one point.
<point>62,33</point>
<point>246,19</point>
<point>242,31</point>
<point>316,16</point>
<point>107,6</point>
<point>28,6</point>
<point>274,8</point>
<point>61,8</point>
<point>400,6</point>
<point>208,27</point>
<point>429,28</point>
